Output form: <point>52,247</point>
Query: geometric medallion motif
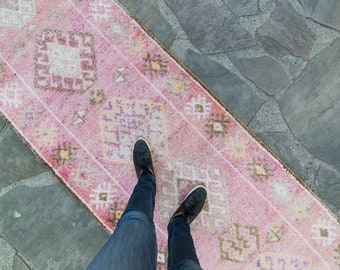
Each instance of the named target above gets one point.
<point>239,243</point>
<point>260,170</point>
<point>16,13</point>
<point>116,212</point>
<point>324,232</point>
<point>123,121</point>
<point>64,61</point>
<point>100,9</point>
<point>155,65</point>
<point>11,95</point>
<point>30,114</point>
<point>64,153</point>
<point>103,195</point>
<point>217,125</point>
<point>97,97</point>
<point>198,107</point>
<point>180,177</point>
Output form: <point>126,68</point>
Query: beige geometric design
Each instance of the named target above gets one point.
<point>116,212</point>
<point>2,72</point>
<point>324,232</point>
<point>64,153</point>
<point>120,71</point>
<point>275,234</point>
<point>260,169</point>
<point>97,97</point>
<point>79,117</point>
<point>15,14</point>
<point>155,64</point>
<point>239,243</point>
<point>162,258</point>
<point>180,177</point>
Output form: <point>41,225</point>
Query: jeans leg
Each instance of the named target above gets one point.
<point>133,244</point>
<point>143,196</point>
<point>181,249</point>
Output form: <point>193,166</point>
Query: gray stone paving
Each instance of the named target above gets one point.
<point>286,33</point>
<point>323,11</point>
<point>41,226</point>
<point>274,63</point>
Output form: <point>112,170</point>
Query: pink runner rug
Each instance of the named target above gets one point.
<point>81,81</point>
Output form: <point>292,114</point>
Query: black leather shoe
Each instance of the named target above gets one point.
<point>192,204</point>
<point>142,158</point>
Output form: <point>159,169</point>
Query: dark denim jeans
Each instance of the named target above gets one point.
<point>133,244</point>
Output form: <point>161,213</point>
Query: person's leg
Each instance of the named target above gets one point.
<point>133,243</point>
<point>143,196</point>
<point>181,249</point>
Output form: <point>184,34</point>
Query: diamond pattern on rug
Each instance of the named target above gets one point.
<point>65,61</point>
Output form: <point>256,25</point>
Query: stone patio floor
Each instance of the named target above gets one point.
<point>275,64</point>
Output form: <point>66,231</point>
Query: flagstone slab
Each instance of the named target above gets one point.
<point>2,124</point>
<point>16,160</point>
<point>264,72</point>
<point>293,154</point>
<point>286,33</point>
<point>148,13</point>
<point>211,27</point>
<point>6,255</point>
<point>327,184</point>
<point>268,118</point>
<point>49,227</point>
<point>18,264</point>
<point>311,106</point>
<point>323,11</point>
<point>243,7</point>
<point>233,91</point>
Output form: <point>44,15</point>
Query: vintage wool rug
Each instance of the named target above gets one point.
<point>81,81</point>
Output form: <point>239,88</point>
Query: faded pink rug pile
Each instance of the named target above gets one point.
<point>81,81</point>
